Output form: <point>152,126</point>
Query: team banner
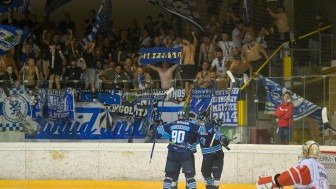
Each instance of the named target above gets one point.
<point>186,9</point>
<point>11,36</point>
<point>200,103</point>
<point>303,107</point>
<point>160,54</point>
<point>215,104</point>
<point>52,5</point>
<point>54,104</point>
<point>224,106</point>
<point>151,94</point>
<point>14,109</point>
<point>13,5</point>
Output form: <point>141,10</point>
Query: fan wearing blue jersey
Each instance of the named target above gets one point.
<point>213,156</point>
<point>182,136</point>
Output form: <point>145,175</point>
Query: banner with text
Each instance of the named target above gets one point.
<point>160,54</point>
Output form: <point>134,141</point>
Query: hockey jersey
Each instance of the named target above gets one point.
<point>205,139</point>
<point>181,134</point>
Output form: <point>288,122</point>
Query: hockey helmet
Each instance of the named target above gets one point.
<point>182,114</point>
<point>310,149</point>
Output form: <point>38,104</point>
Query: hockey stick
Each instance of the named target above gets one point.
<point>325,120</point>
<point>159,118</point>
<point>233,80</point>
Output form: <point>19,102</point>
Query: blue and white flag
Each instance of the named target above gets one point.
<point>186,9</point>
<point>52,5</point>
<point>106,17</point>
<point>13,5</point>
<point>200,102</point>
<point>11,36</point>
<point>160,54</point>
<point>303,107</point>
<point>95,27</point>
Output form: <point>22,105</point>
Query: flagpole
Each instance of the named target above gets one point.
<point>280,47</point>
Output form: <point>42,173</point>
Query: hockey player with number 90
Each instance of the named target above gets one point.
<point>182,136</point>
<point>309,174</point>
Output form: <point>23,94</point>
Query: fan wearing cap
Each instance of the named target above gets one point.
<point>309,174</point>
<point>55,59</point>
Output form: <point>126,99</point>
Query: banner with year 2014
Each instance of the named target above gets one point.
<point>215,104</point>
<point>224,106</point>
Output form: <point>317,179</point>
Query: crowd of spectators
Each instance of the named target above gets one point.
<point>53,53</point>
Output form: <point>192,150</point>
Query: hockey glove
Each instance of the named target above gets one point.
<point>217,122</point>
<point>268,182</point>
<point>224,141</point>
<point>153,128</point>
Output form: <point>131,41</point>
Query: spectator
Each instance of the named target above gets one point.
<point>134,33</point>
<point>26,22</point>
<point>220,63</point>
<point>237,35</point>
<point>188,57</point>
<point>99,71</point>
<point>8,79</point>
<point>142,80</point>
<point>281,21</point>
<point>120,79</point>
<point>207,51</point>
<point>145,40</point>
<point>161,23</point>
<point>89,66</point>
<point>149,25</point>
<point>284,113</point>
<point>239,68</point>
<point>254,54</point>
<point>30,74</point>
<point>24,54</point>
<point>6,61</point>
<point>202,78</point>
<point>67,24</point>
<point>261,38</point>
<point>225,44</point>
<point>53,65</point>
<point>89,22</point>
<point>165,74</point>
<point>10,75</point>
<point>72,73</point>
<point>234,11</point>
<point>108,77</point>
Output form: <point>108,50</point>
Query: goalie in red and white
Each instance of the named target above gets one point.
<point>309,174</point>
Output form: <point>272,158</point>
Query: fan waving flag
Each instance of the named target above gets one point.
<point>303,107</point>
<point>95,27</point>
<point>11,36</point>
<point>14,5</point>
<point>185,9</point>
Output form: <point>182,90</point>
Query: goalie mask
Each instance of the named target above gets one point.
<point>181,114</point>
<point>310,150</point>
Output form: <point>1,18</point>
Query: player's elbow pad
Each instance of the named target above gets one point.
<point>268,182</point>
